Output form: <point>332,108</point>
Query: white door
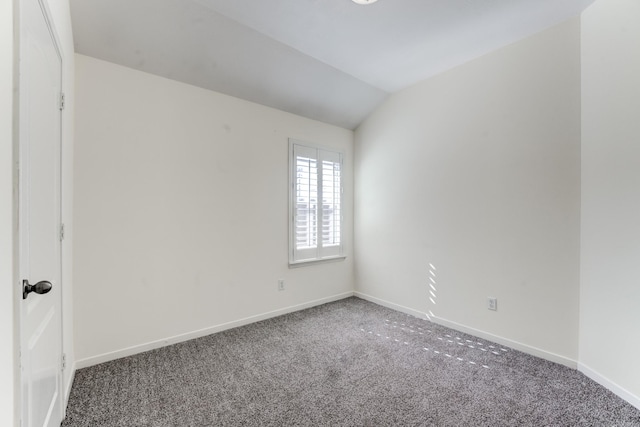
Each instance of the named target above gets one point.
<point>39,183</point>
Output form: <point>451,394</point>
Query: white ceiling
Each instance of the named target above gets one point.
<point>329,60</point>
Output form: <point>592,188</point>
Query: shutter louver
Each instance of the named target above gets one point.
<point>330,203</point>
<point>306,235</point>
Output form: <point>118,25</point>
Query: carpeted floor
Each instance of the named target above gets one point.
<point>348,363</point>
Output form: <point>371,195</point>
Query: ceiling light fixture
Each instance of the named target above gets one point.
<point>364,1</point>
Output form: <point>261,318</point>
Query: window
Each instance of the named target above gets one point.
<point>315,199</point>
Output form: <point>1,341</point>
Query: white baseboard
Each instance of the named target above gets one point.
<point>391,305</point>
<point>129,351</point>
<point>613,387</point>
<point>534,351</point>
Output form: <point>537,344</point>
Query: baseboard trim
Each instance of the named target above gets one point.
<point>534,351</point>
<point>610,385</point>
<point>391,305</point>
<point>130,351</point>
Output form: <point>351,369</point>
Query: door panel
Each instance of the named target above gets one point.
<point>41,324</point>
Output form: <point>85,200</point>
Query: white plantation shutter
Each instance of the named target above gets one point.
<point>331,202</point>
<point>316,203</point>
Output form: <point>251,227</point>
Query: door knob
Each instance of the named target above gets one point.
<point>41,287</point>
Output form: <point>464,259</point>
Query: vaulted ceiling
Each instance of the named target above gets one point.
<point>329,60</point>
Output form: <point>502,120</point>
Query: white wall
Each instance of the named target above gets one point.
<point>8,293</point>
<point>610,233</point>
<point>477,171</point>
<point>181,212</point>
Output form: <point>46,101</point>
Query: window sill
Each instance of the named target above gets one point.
<point>304,263</point>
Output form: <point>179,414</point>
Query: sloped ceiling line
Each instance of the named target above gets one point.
<point>328,60</point>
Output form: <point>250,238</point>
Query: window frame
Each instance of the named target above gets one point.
<point>301,257</point>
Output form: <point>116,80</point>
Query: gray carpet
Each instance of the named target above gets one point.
<point>348,363</point>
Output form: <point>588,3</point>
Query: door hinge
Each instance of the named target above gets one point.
<point>64,361</point>
<point>61,101</point>
<point>61,232</point>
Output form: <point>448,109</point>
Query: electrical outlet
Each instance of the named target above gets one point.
<point>492,303</point>
<point>281,285</point>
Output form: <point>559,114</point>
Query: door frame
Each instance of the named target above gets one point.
<point>19,307</point>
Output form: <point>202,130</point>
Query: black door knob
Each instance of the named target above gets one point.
<point>41,287</point>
